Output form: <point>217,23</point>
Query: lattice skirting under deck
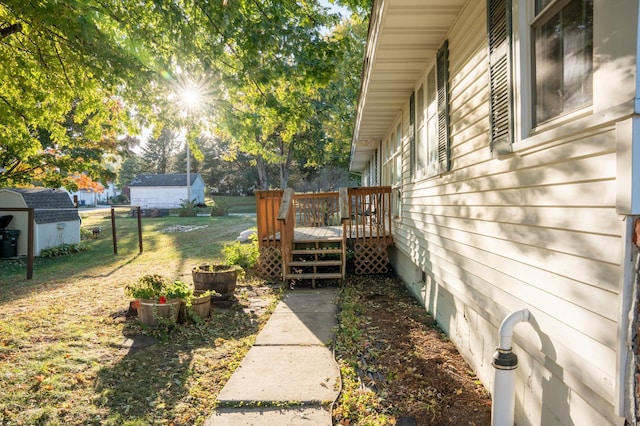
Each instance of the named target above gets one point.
<point>371,258</point>
<point>270,263</point>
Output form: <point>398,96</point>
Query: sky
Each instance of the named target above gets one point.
<point>334,7</point>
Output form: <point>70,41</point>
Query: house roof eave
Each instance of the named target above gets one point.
<point>404,36</point>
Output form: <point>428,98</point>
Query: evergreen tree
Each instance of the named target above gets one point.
<point>158,153</point>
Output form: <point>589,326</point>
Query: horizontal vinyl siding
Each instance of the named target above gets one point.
<point>536,229</point>
<point>158,197</point>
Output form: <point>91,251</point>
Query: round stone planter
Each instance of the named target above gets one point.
<point>219,278</point>
<point>149,311</point>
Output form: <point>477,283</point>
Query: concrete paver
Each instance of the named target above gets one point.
<point>306,374</point>
<point>296,416</point>
<point>290,368</point>
<point>303,317</point>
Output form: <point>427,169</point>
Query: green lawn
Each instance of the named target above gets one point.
<point>62,359</point>
<point>237,204</point>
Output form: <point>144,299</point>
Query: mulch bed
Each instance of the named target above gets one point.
<point>408,362</point>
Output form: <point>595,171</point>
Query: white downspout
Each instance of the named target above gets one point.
<point>505,363</point>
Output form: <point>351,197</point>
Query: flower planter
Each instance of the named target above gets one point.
<point>219,278</point>
<point>201,305</point>
<point>149,311</point>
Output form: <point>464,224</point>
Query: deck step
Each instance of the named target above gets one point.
<point>315,263</point>
<point>316,276</point>
<point>317,251</point>
<point>315,240</point>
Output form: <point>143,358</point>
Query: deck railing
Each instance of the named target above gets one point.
<point>267,207</point>
<point>366,210</point>
<point>363,213</point>
<point>370,213</point>
<point>317,209</point>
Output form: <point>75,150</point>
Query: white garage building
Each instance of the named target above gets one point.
<point>165,191</point>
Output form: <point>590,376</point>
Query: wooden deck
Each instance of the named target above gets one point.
<point>329,233</point>
<point>320,233</point>
<point>321,226</point>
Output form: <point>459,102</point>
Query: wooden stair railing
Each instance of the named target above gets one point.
<point>287,220</point>
<point>343,195</point>
<point>268,232</point>
<point>317,244</point>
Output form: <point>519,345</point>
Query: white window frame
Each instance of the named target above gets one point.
<point>544,16</point>
<point>392,164</point>
<point>522,67</point>
<point>424,146</point>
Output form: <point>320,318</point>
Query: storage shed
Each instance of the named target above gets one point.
<point>165,191</point>
<point>56,222</point>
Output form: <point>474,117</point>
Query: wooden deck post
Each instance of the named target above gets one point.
<point>268,232</point>
<point>345,218</point>
<point>286,218</point>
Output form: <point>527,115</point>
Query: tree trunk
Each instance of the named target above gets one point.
<point>284,171</point>
<point>263,182</point>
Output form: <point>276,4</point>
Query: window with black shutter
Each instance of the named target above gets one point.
<point>442,82</point>
<point>563,54</point>
<point>500,89</point>
<point>412,133</point>
<point>430,112</point>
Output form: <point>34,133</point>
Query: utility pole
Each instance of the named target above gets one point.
<point>188,172</point>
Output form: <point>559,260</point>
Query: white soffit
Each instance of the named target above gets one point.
<point>404,35</point>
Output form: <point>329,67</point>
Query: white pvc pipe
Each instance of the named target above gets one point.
<point>506,328</point>
<point>505,363</point>
<point>504,404</point>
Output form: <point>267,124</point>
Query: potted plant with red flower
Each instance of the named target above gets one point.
<point>157,299</point>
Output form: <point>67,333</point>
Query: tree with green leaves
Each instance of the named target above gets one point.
<point>275,56</point>
<point>60,105</point>
<point>158,152</point>
<point>78,74</point>
<point>224,172</point>
<point>131,167</point>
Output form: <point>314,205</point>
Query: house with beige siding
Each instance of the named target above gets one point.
<point>510,135</point>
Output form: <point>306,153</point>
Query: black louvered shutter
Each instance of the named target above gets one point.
<point>442,83</point>
<point>500,90</point>
<point>412,134</point>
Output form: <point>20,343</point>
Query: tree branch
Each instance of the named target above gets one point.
<point>10,105</point>
<point>11,29</point>
<point>64,69</point>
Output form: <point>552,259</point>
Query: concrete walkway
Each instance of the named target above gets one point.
<point>289,376</point>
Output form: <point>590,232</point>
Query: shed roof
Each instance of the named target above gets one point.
<point>178,179</point>
<point>50,205</point>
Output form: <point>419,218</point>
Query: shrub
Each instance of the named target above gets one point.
<point>63,249</point>
<point>153,286</point>
<point>188,208</point>
<point>120,199</point>
<point>148,286</point>
<point>219,208</point>
<point>243,255</point>
<point>178,290</point>
<point>86,234</point>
